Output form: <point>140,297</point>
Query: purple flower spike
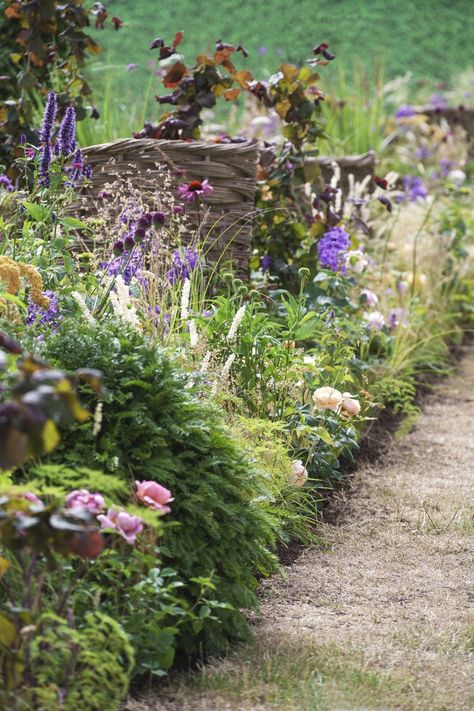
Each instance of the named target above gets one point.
<point>50,316</point>
<point>77,167</point>
<point>49,118</point>
<point>44,166</point>
<point>6,184</point>
<point>184,263</point>
<point>88,171</point>
<point>67,132</point>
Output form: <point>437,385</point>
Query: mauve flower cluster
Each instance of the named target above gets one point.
<point>331,248</point>
<point>6,184</point>
<point>415,189</point>
<point>137,228</point>
<point>38,315</point>
<point>405,111</point>
<point>185,261</point>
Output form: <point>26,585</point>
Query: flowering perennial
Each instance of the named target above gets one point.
<point>331,248</point>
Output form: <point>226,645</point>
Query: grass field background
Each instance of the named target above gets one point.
<point>432,39</point>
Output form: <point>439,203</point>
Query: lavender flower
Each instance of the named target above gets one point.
<point>67,132</point>
<point>331,248</point>
<point>50,316</point>
<point>49,118</point>
<point>184,263</point>
<point>6,184</point>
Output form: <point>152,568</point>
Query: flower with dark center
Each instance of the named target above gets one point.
<point>67,132</point>
<point>194,190</point>
<point>331,249</point>
<point>139,234</point>
<point>49,118</point>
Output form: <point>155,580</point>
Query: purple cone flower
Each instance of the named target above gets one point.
<point>49,118</point>
<point>331,248</point>
<point>67,132</point>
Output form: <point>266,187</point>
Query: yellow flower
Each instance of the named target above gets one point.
<point>11,273</point>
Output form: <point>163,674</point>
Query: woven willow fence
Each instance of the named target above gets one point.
<point>230,168</point>
<point>455,116</point>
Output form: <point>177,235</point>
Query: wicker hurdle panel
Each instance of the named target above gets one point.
<point>230,169</point>
<point>358,165</point>
<point>455,116</point>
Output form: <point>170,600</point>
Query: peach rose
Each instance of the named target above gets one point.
<point>327,398</point>
<point>350,405</point>
<point>298,474</point>
<point>153,495</point>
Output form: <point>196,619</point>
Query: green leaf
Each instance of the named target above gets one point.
<point>73,223</point>
<point>7,631</point>
<point>37,212</point>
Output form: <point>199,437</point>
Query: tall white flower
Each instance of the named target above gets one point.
<point>227,366</point>
<point>336,176</point>
<point>84,308</point>
<point>205,362</point>
<point>121,304</point>
<point>185,296</point>
<point>235,325</point>
<point>97,419</point>
<point>193,334</point>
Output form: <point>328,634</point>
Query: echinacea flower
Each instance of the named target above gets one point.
<point>327,398</point>
<point>153,495</point>
<point>298,474</point>
<point>127,525</point>
<point>194,190</point>
<point>81,498</point>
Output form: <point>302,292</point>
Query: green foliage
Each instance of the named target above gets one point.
<point>61,479</point>
<point>85,668</point>
<point>155,428</point>
<point>44,45</point>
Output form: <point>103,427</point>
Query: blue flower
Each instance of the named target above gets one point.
<point>331,248</point>
<point>49,118</point>
<point>67,132</point>
<point>405,111</point>
<point>50,316</point>
<point>415,188</point>
<point>184,263</point>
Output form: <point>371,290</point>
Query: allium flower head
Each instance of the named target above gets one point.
<point>194,190</point>
<point>331,248</point>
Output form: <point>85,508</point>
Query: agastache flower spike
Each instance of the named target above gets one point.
<point>44,165</point>
<point>67,132</point>
<point>49,117</point>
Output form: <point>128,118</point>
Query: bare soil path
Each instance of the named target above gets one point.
<point>381,617</point>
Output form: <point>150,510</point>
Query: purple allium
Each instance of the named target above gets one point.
<point>129,243</point>
<point>194,190</point>
<point>158,218</point>
<point>44,165</point>
<point>145,220</point>
<point>405,111</point>
<point>6,184</point>
<point>49,118</point>
<point>38,315</point>
<point>139,234</point>
<point>185,262</point>
<point>118,248</point>
<point>415,188</point>
<point>331,248</point>
<point>67,132</point>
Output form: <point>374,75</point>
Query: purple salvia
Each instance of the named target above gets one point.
<point>49,118</point>
<point>67,132</point>
<point>88,171</point>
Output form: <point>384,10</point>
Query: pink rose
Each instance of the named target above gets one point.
<point>83,499</point>
<point>33,499</point>
<point>154,495</point>
<point>350,405</point>
<point>127,525</point>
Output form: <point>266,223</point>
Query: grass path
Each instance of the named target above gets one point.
<point>381,617</point>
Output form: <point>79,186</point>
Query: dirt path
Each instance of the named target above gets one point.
<point>381,617</point>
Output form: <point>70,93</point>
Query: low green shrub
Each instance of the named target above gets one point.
<point>155,427</point>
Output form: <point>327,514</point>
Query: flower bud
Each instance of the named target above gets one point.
<point>118,248</point>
